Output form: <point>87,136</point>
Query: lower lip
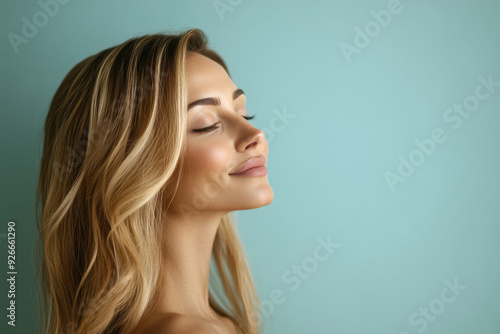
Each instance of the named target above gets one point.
<point>256,171</point>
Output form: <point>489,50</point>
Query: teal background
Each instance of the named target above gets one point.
<point>351,122</point>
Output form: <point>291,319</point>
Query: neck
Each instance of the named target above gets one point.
<point>187,250</point>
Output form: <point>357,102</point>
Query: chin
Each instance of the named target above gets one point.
<point>262,198</point>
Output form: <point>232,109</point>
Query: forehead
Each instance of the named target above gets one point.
<point>206,77</point>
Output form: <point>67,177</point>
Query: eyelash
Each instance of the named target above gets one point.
<point>213,127</point>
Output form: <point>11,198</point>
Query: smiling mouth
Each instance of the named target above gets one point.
<point>254,171</point>
<point>252,163</point>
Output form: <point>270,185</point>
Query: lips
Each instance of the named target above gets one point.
<point>250,163</point>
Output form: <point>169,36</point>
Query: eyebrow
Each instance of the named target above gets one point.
<point>214,101</point>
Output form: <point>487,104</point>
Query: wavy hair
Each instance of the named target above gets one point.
<point>111,163</point>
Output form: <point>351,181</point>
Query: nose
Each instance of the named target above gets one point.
<point>249,136</point>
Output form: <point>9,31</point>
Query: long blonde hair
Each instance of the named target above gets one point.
<point>111,163</point>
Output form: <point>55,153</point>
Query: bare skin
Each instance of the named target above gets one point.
<point>210,157</point>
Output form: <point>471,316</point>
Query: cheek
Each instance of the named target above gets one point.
<point>205,158</point>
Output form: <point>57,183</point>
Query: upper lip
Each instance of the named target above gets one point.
<point>250,163</point>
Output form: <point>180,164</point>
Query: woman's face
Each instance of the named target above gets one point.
<point>212,156</point>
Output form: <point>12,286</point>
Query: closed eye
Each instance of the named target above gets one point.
<point>207,129</point>
<point>214,126</point>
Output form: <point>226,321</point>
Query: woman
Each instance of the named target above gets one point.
<point>148,149</point>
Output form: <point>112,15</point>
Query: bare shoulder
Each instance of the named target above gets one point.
<point>174,323</point>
